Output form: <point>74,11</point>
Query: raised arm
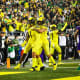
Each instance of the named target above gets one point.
<point>64,27</point>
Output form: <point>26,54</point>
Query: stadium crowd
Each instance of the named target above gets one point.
<point>14,16</point>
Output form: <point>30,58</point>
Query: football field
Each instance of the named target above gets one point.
<point>66,71</point>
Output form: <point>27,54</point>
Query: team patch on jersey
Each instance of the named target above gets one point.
<point>69,78</point>
<point>8,73</point>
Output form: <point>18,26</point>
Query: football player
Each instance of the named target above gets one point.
<point>54,41</point>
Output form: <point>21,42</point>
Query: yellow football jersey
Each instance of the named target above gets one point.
<point>34,35</point>
<point>44,34</point>
<point>54,36</point>
<point>34,40</point>
<point>44,41</point>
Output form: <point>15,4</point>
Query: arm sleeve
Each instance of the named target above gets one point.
<point>64,27</point>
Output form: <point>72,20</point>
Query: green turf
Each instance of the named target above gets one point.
<point>47,74</point>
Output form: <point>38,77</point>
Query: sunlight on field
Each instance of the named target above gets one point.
<point>69,78</point>
<point>8,73</point>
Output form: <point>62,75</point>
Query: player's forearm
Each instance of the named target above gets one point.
<point>64,27</point>
<point>40,30</point>
<point>36,30</point>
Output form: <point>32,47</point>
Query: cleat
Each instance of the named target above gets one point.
<point>54,67</point>
<point>18,66</point>
<point>78,68</point>
<point>2,64</point>
<point>32,69</point>
<point>42,68</point>
<point>37,68</point>
<point>59,63</point>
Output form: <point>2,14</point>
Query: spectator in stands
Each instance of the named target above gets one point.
<point>3,46</point>
<point>11,52</point>
<point>62,43</point>
<point>69,45</point>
